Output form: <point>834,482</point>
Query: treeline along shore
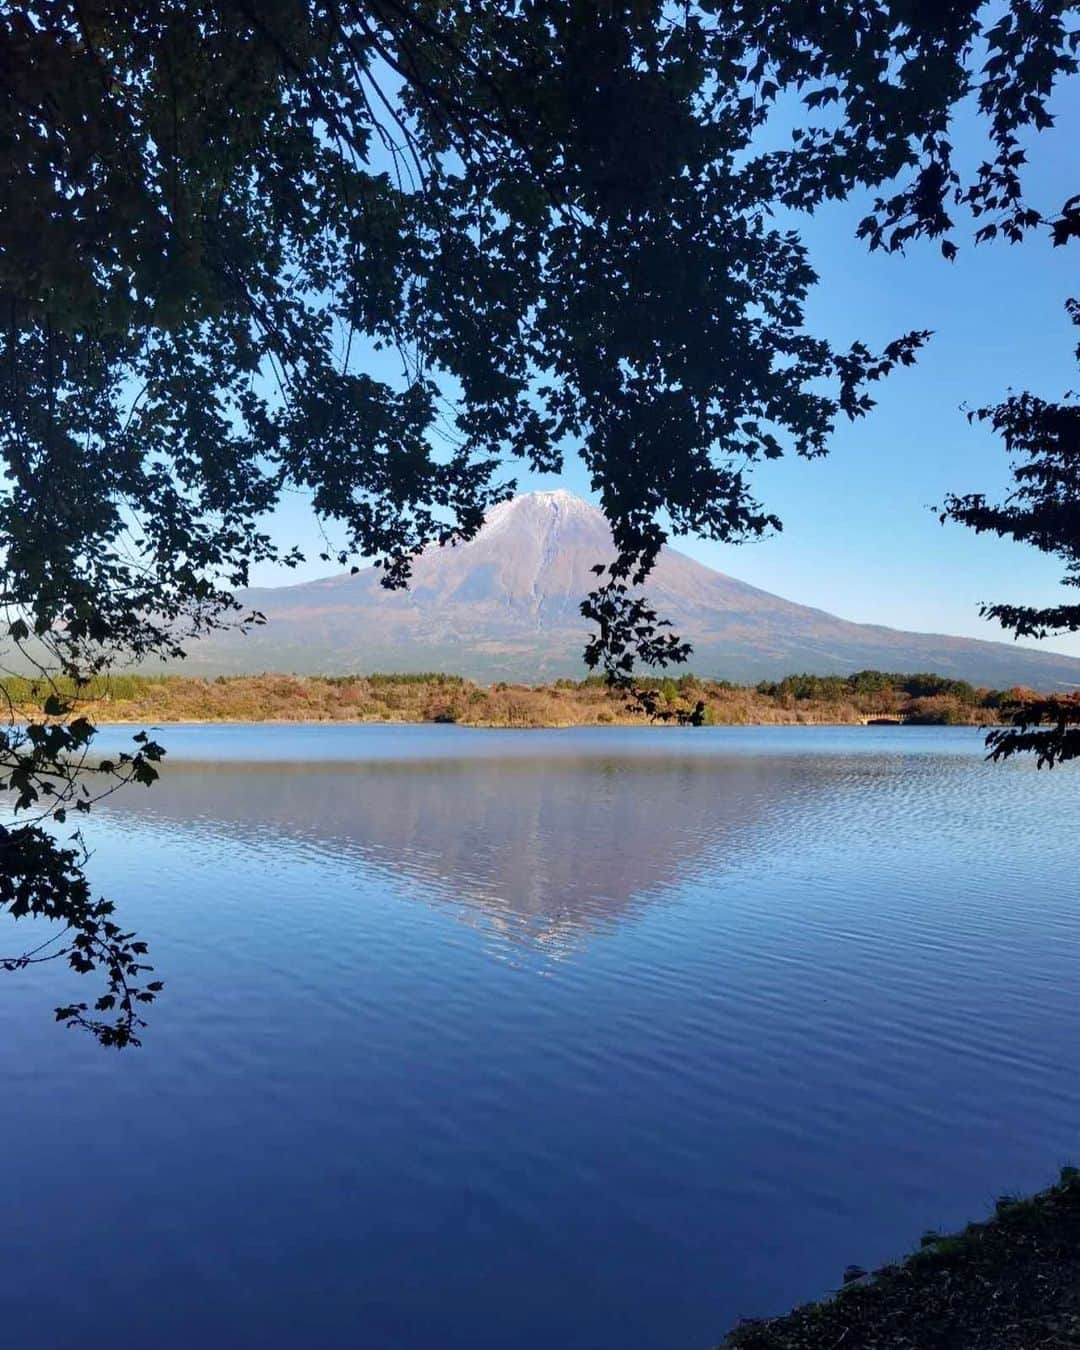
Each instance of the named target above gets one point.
<point>868,696</point>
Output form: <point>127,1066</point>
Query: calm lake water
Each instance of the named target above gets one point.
<point>540,1039</point>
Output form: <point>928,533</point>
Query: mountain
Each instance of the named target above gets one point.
<point>505,606</point>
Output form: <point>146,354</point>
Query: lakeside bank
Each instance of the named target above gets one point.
<point>1009,1283</point>
<point>868,696</point>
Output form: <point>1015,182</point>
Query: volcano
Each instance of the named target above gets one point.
<point>506,606</point>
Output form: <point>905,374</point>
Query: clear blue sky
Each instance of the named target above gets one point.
<point>860,538</point>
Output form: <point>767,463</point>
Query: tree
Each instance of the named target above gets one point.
<point>554,212</point>
<point>1043,510</point>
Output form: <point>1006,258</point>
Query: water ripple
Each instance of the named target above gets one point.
<point>544,1038</point>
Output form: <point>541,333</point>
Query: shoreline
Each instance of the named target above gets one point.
<point>1010,1282</point>
<point>614,725</point>
<point>868,698</point>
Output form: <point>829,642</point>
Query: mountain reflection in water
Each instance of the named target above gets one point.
<point>543,849</point>
<point>568,1039</point>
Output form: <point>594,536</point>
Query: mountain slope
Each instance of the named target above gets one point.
<point>506,606</point>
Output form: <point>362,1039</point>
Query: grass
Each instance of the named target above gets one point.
<point>1010,1283</point>
<point>435,697</point>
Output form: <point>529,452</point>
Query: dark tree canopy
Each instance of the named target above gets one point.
<point>554,215</point>
<point>1043,510</point>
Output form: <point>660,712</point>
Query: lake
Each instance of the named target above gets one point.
<point>577,1039</point>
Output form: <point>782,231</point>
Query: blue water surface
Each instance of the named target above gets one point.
<point>577,1039</point>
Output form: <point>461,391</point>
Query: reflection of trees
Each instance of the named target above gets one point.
<point>546,848</point>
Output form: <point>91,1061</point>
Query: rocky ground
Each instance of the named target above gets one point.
<point>1012,1283</point>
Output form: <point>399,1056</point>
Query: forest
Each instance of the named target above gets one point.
<point>866,696</point>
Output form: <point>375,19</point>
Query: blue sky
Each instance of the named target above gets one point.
<point>860,536</point>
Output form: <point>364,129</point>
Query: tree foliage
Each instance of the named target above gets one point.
<point>1043,510</point>
<point>554,215</point>
<point>836,687</point>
